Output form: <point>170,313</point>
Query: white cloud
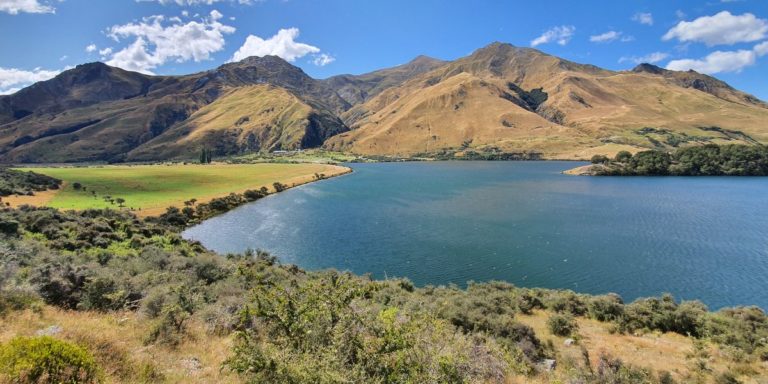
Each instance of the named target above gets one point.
<point>283,44</point>
<point>716,62</point>
<point>12,79</point>
<point>157,41</point>
<point>606,37</point>
<point>63,58</point>
<point>323,59</point>
<point>196,2</point>
<point>643,18</point>
<point>722,28</point>
<point>104,53</point>
<point>14,7</point>
<point>91,48</point>
<point>650,58</point>
<point>762,49</point>
<point>562,35</point>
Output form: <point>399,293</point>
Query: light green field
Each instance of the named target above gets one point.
<point>149,189</point>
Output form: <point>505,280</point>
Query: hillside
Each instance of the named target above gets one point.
<point>499,99</point>
<point>98,113</point>
<point>510,99</point>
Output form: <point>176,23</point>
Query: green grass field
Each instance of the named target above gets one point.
<point>152,188</point>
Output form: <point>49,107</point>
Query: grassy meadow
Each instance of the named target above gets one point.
<point>149,189</point>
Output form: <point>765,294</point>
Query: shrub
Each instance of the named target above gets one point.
<point>623,157</point>
<point>599,159</point>
<point>606,308</point>
<point>45,359</point>
<point>562,325</point>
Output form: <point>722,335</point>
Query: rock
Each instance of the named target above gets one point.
<point>192,365</point>
<point>549,365</point>
<point>569,342</point>
<point>50,331</point>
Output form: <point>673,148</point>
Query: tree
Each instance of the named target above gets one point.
<point>600,159</point>
<point>120,201</point>
<point>623,157</point>
<point>205,156</point>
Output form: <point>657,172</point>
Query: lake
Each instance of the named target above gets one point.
<point>436,223</point>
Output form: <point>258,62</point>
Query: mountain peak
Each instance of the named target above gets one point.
<point>649,68</point>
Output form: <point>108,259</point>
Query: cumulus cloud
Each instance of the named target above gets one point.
<point>762,49</point>
<point>562,35</point>
<point>650,58</point>
<point>158,40</point>
<point>283,44</point>
<point>14,7</point>
<point>323,59</point>
<point>607,37</point>
<point>720,29</point>
<point>13,79</point>
<point>106,52</point>
<point>195,2</point>
<point>716,62</point>
<point>643,18</point>
<point>91,48</point>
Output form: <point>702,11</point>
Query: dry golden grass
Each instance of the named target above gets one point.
<point>116,339</point>
<point>602,110</point>
<point>659,352</point>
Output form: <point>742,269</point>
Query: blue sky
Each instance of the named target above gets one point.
<point>38,38</point>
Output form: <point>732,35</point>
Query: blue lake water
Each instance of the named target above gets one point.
<point>700,238</point>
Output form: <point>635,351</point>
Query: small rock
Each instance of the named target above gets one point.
<point>569,342</point>
<point>50,331</point>
<point>192,365</point>
<point>549,365</point>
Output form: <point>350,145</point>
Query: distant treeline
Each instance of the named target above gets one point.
<point>707,160</point>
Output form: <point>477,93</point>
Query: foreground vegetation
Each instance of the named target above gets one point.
<point>150,189</point>
<point>153,298</point>
<point>706,160</point>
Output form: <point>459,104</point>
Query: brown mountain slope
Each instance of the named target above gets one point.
<point>95,112</point>
<point>357,89</point>
<point>244,119</point>
<point>504,98</point>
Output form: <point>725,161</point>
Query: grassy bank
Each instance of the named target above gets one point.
<point>150,189</point>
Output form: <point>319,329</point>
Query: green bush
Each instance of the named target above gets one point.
<point>623,156</point>
<point>562,325</point>
<point>46,360</point>
<point>600,159</point>
<point>606,308</point>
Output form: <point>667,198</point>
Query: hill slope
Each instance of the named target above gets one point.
<point>96,112</point>
<point>504,98</point>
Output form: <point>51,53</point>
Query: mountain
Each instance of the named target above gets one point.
<point>499,99</point>
<point>503,98</point>
<point>356,89</point>
<point>95,113</point>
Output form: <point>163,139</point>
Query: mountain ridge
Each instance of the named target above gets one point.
<point>500,98</point>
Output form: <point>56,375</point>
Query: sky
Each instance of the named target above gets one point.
<point>40,38</point>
